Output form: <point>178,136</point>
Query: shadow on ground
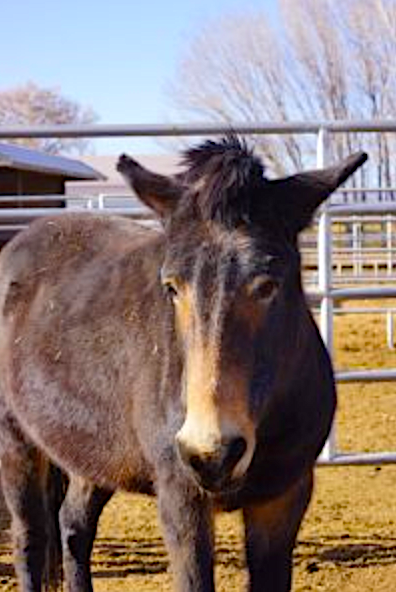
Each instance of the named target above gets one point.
<point>116,558</point>
<point>120,558</point>
<point>346,551</point>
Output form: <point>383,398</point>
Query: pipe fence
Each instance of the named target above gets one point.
<point>327,293</point>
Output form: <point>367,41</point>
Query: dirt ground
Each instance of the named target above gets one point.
<point>348,539</point>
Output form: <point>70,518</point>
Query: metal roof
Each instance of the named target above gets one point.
<point>21,158</point>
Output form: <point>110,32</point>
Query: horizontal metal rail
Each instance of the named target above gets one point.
<point>358,459</point>
<point>385,375</point>
<point>196,129</point>
<point>384,207</point>
<point>366,293</point>
<point>363,250</point>
<point>364,310</point>
<point>156,130</point>
<point>27,215</point>
<point>375,190</point>
<point>22,199</point>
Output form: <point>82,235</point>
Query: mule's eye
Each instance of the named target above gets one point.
<point>170,289</point>
<point>263,288</point>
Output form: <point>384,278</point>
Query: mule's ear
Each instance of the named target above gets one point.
<point>297,197</point>
<point>158,192</point>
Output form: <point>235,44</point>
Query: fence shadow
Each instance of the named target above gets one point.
<point>118,558</point>
<point>122,557</point>
<point>346,551</point>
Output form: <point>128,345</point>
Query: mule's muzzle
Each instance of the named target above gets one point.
<point>214,470</point>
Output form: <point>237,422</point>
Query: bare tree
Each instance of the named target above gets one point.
<point>33,105</point>
<point>323,60</point>
<point>235,70</point>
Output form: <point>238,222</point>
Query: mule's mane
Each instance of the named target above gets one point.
<point>225,177</point>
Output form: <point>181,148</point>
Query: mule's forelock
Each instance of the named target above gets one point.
<point>223,179</point>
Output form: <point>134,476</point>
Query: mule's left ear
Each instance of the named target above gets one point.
<point>158,192</point>
<point>297,197</point>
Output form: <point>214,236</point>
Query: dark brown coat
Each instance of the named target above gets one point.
<point>183,362</point>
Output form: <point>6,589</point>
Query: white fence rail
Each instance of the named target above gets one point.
<point>327,293</point>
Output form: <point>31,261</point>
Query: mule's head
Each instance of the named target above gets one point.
<point>232,271</point>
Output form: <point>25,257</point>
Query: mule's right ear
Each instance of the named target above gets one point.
<point>158,192</point>
<point>297,197</point>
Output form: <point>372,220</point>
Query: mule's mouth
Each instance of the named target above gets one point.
<point>224,486</point>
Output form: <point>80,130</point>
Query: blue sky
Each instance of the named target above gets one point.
<point>115,56</point>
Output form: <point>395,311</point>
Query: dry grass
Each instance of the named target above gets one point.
<point>348,539</point>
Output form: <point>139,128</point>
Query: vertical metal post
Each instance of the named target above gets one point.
<point>361,246</point>
<point>389,329</point>
<point>325,256</point>
<point>356,254</point>
<point>325,278</point>
<point>389,244</point>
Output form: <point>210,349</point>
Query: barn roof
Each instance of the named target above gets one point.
<point>21,158</point>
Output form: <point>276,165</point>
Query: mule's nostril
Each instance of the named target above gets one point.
<point>196,463</point>
<point>235,451</point>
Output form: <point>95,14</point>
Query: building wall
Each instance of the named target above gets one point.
<point>14,182</point>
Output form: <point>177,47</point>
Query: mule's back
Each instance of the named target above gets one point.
<point>78,300</point>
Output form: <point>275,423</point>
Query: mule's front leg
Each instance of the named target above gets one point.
<point>78,519</point>
<point>271,531</point>
<point>186,517</point>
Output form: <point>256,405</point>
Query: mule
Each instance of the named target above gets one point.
<point>182,362</point>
